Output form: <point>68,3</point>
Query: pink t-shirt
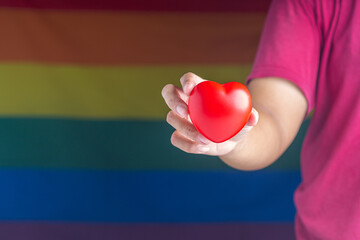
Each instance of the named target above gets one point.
<point>316,45</point>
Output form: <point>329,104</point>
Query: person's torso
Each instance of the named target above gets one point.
<point>328,200</point>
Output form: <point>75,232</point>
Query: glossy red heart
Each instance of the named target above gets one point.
<point>219,111</point>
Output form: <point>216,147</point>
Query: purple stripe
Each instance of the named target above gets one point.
<point>145,5</point>
<point>95,231</point>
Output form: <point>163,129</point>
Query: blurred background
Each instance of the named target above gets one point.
<point>85,150</point>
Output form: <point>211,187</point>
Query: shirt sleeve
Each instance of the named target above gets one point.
<point>290,46</point>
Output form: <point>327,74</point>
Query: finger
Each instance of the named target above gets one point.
<point>172,97</point>
<point>187,145</point>
<point>186,128</point>
<point>189,81</point>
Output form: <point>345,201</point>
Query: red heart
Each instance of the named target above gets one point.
<point>219,111</point>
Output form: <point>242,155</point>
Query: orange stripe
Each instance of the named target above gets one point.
<point>107,38</point>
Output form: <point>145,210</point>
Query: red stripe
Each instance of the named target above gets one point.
<point>145,5</point>
<point>79,231</point>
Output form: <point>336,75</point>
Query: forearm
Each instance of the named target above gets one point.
<point>281,107</point>
<point>259,148</point>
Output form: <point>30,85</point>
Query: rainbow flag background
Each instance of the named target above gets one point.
<point>84,146</point>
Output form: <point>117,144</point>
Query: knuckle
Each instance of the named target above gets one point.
<point>170,116</point>
<point>188,77</point>
<point>173,139</point>
<point>166,89</point>
<point>187,150</point>
<point>189,131</point>
<point>185,146</point>
<point>192,148</point>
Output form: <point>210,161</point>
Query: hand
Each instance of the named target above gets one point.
<point>186,137</point>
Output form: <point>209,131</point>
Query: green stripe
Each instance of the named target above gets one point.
<point>127,145</point>
<point>125,92</point>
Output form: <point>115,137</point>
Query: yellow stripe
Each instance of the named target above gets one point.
<point>102,92</point>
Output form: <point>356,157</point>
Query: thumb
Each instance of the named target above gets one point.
<point>189,81</point>
<point>253,120</point>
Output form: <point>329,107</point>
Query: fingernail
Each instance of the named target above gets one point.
<point>204,139</point>
<point>203,149</point>
<point>181,110</point>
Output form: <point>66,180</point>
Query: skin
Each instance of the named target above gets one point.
<point>279,107</point>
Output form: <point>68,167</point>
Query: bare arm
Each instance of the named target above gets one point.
<point>282,107</point>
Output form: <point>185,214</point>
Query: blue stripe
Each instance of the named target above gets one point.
<point>147,196</point>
